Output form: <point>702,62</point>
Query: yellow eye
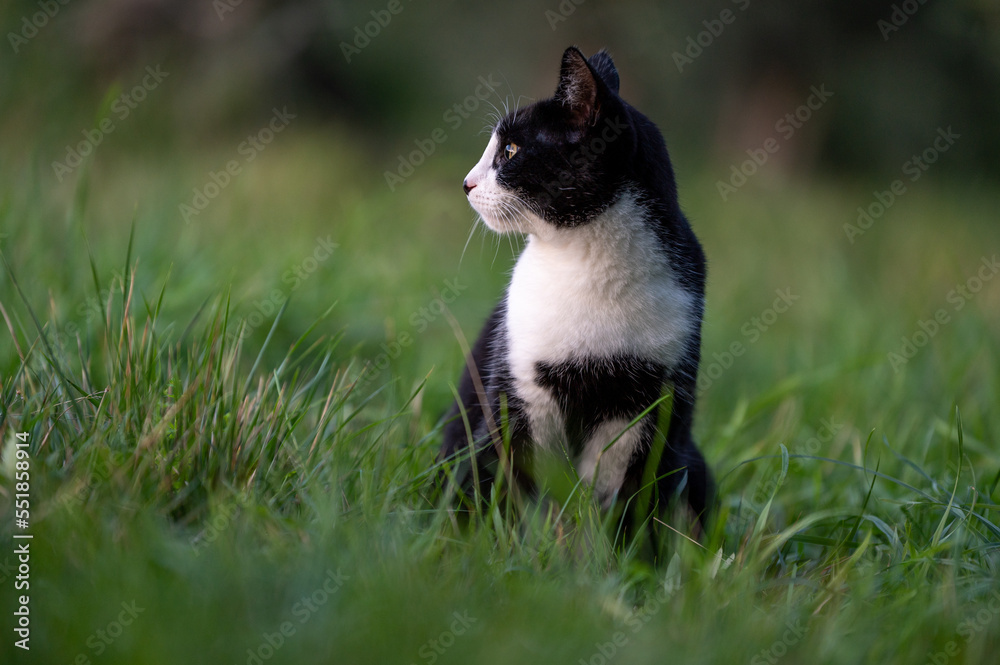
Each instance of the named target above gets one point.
<point>510,150</point>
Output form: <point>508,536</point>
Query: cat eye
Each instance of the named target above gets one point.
<point>510,150</point>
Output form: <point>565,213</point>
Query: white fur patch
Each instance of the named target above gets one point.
<point>477,176</point>
<point>610,465</point>
<point>601,289</point>
<point>502,210</point>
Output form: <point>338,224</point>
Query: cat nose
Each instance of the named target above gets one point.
<point>467,187</point>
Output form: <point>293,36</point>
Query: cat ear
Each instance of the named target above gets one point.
<point>605,68</point>
<point>577,88</point>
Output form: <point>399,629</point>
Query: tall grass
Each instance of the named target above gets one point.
<point>259,503</point>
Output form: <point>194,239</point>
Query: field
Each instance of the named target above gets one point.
<point>232,422</point>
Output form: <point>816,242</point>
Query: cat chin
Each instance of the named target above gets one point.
<point>523,222</point>
<point>502,226</point>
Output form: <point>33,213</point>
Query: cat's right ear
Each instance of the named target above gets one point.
<point>602,63</point>
<point>577,88</point>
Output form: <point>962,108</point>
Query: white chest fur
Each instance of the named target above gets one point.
<point>602,289</point>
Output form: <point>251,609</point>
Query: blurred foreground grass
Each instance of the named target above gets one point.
<point>229,476</point>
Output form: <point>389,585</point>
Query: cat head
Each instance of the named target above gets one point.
<point>559,162</point>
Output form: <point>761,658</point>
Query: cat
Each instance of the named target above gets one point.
<point>604,306</point>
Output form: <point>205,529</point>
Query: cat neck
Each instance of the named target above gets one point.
<point>616,243</point>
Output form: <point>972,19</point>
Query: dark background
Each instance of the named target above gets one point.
<point>891,88</point>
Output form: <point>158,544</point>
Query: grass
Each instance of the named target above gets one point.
<point>231,481</point>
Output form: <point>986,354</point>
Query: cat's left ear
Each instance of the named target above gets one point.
<point>578,87</point>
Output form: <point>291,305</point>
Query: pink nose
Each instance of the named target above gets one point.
<point>467,187</point>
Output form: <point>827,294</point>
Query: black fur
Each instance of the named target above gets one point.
<point>578,153</point>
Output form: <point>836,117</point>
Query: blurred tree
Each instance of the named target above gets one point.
<point>899,69</point>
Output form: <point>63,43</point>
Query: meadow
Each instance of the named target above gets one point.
<point>232,418</point>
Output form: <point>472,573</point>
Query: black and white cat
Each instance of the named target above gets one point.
<point>605,304</point>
